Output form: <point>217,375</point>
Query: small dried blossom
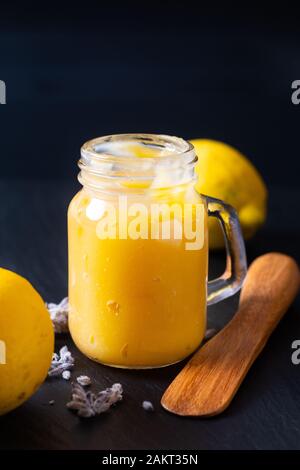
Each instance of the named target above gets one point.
<point>84,380</point>
<point>147,405</point>
<point>88,404</point>
<point>64,361</point>
<point>59,315</point>
<point>66,375</point>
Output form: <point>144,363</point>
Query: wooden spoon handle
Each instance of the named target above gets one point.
<point>209,381</point>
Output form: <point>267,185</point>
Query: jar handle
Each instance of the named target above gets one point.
<point>236,264</point>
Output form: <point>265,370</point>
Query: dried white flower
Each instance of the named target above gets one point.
<point>88,404</point>
<point>147,405</point>
<point>84,380</point>
<point>66,375</point>
<point>64,361</point>
<point>59,315</point>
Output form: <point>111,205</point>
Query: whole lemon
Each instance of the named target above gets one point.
<point>26,340</point>
<point>224,173</point>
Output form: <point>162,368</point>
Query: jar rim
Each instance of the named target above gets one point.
<point>177,146</point>
<point>171,166</point>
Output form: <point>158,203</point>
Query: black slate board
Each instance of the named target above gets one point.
<point>265,414</point>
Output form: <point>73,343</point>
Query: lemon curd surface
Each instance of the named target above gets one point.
<point>135,303</point>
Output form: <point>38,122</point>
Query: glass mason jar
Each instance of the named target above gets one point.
<point>138,252</point>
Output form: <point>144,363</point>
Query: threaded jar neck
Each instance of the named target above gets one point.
<point>136,162</point>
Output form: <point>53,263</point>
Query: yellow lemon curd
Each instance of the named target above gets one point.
<point>135,303</point>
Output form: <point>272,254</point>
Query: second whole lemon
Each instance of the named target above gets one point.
<point>225,173</point>
<point>26,340</point>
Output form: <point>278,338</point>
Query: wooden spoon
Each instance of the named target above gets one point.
<point>209,381</point>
